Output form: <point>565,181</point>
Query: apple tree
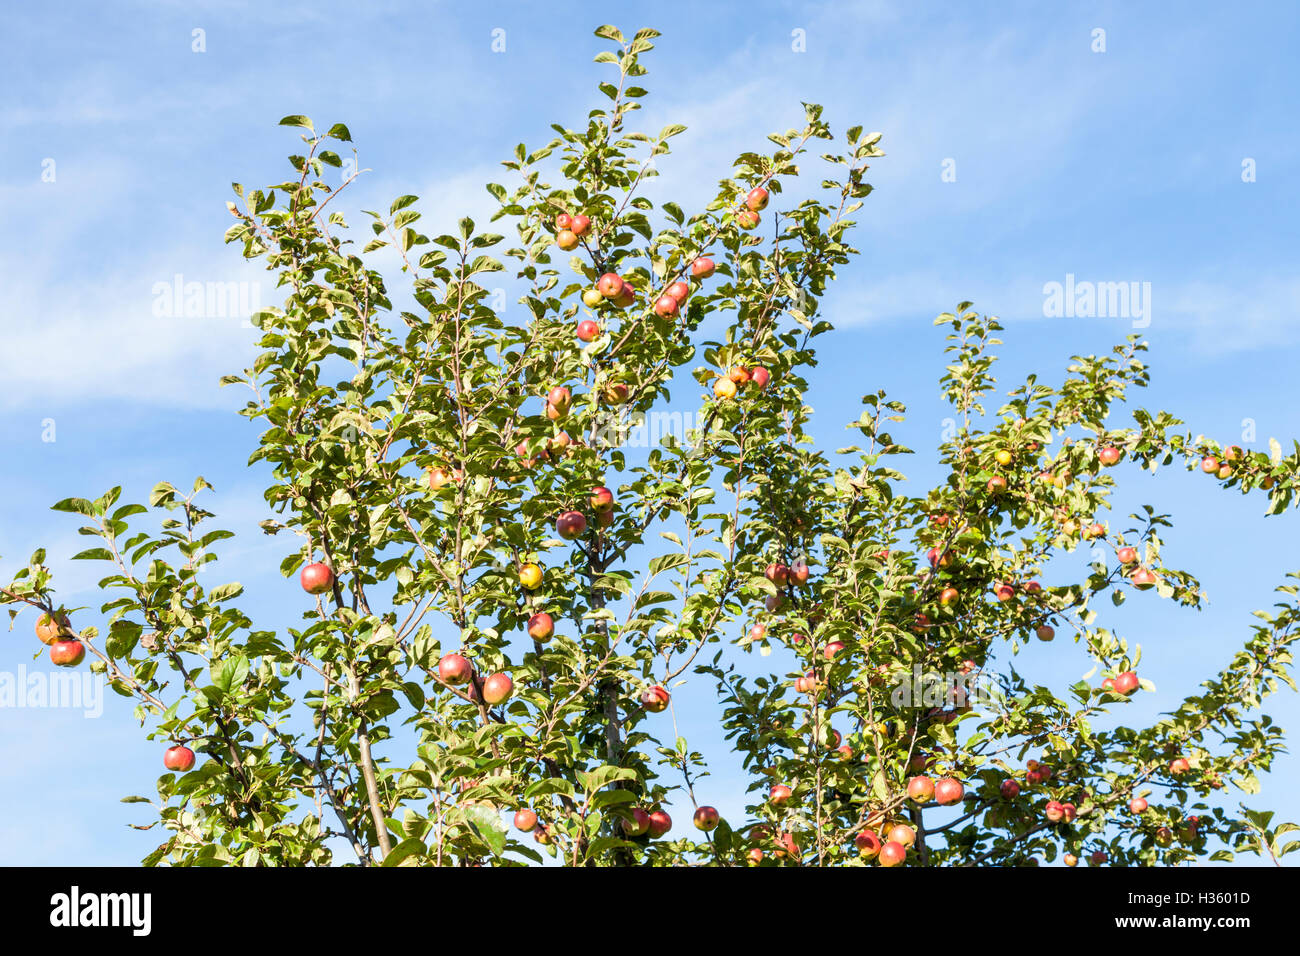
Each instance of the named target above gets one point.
<point>501,597</point>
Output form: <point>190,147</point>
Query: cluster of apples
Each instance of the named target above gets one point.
<point>56,634</point>
<point>1123,684</point>
<point>755,201</point>
<point>455,669</point>
<point>892,849</point>
<point>569,230</point>
<point>739,376</point>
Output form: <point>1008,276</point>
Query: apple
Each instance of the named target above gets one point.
<point>1009,789</point>
<point>563,221</point>
<point>702,268</point>
<point>1098,857</point>
<point>1002,456</point>
<point>760,376</point>
<point>1179,765</point>
<point>1126,683</point>
<point>1004,591</point>
<point>739,374</point>
<point>758,632</point>
<point>920,789</point>
<point>67,652</point>
<point>1054,811</point>
<point>566,240</point>
<point>666,306</point>
<point>587,329</point>
<point>868,844</point>
<point>892,854</point>
<point>833,648</point>
<point>454,669</point>
<point>778,795</point>
<point>1108,684</point>
<point>948,790</point>
<point>706,819</point>
<point>754,856</point>
<point>541,626</point>
<point>497,687</point>
<point>902,834</point>
<point>627,298</point>
<point>1164,836</point>
<point>592,298</point>
<point>610,285</point>
<point>1045,632</point>
<point>757,199</point>
<point>655,699</point>
<point>844,752</point>
<point>660,823</point>
<point>787,846</point>
<point>724,388</point>
<point>601,499</point>
<point>807,684</point>
<point>1109,455</point>
<point>616,393</point>
<point>543,835</point>
<point>570,525</point>
<point>1126,555</point>
<point>1137,805</point>
<point>639,824</point>
<point>1070,859</point>
<point>530,575</point>
<point>1143,578</point>
<point>1209,464</point>
<point>580,225</point>
<point>49,629</point>
<point>936,559</point>
<point>525,820</point>
<point>560,398</point>
<point>178,758</point>
<point>316,578</point>
<point>773,602</point>
<point>678,290</point>
<point>1069,811</point>
<point>777,573</point>
<point>947,596</point>
<point>1095,531</point>
<point>996,485</point>
<point>748,219</point>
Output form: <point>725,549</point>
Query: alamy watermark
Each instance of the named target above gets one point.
<point>46,690</point>
<point>1073,299</point>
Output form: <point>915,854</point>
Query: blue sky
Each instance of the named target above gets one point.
<point>1122,165</point>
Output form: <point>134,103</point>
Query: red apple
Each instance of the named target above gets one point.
<point>920,789</point>
<point>892,854</point>
<point>581,225</point>
<point>678,290</point>
<point>760,376</point>
<point>1054,811</point>
<point>706,819</point>
<point>1137,805</point>
<point>947,791</point>
<point>1209,464</point>
<point>541,626</point>
<point>454,669</point>
<point>497,688</point>
<point>902,834</point>
<point>1126,683</point>
<point>757,199</point>
<point>1045,632</point>
<point>660,823</point>
<point>778,574</point>
<point>702,268</point>
<point>1004,591</point>
<point>316,578</point>
<point>178,758</point>
<point>799,573</point>
<point>639,824</point>
<point>1098,857</point>
<point>778,795</point>
<point>525,820</point>
<point>601,499</point>
<point>588,330</point>
<point>67,653</point>
<point>1126,555</point>
<point>748,219</point>
<point>1143,578</point>
<point>49,630</point>
<point>655,699</point>
<point>1009,789</point>
<point>570,524</point>
<point>868,844</point>
<point>666,306</point>
<point>610,285</point>
<point>1109,455</point>
<point>833,648</point>
<point>996,485</point>
<point>566,240</point>
<point>1179,765</point>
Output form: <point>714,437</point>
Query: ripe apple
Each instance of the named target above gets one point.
<point>1143,578</point>
<point>587,330</point>
<point>1108,684</point>
<point>1070,859</point>
<point>178,758</point>
<point>833,648</point>
<point>592,298</point>
<point>1126,683</point>
<point>868,844</point>
<point>566,240</point>
<point>563,221</point>
<point>525,820</point>
<point>543,835</point>
<point>724,388</point>
<point>1045,632</point>
<point>580,225</point>
<point>1009,789</point>
<point>627,298</point>
<point>706,819</point>
<point>530,575</point>
<point>1179,765</point>
<point>1209,464</point>
<point>778,795</point>
<point>1108,455</point>
<point>777,573</point>
<point>570,524</point>
<point>920,789</point>
<point>497,687</point>
<point>1095,531</point>
<point>747,219</point>
<point>560,398</point>
<point>678,290</point>
<point>758,632</point>
<point>902,834</point>
<point>702,268</point>
<point>67,652</point>
<point>1137,805</point>
<point>807,684</point>
<point>938,560</point>
<point>602,499</point>
<point>760,376</point>
<point>947,791</point>
<point>666,306</point>
<point>892,854</point>
<point>1054,811</point>
<point>1164,836</point>
<point>773,602</point>
<point>1002,456</point>
<point>947,596</point>
<point>1126,555</point>
<point>1069,811</point>
<point>49,629</point>
<point>1098,857</point>
<point>541,626</point>
<point>454,669</point>
<point>660,823</point>
<point>738,374</point>
<point>639,824</point>
<point>1004,591</point>
<point>316,578</point>
<point>655,699</point>
<point>754,856</point>
<point>610,285</point>
<point>757,199</point>
<point>616,393</point>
